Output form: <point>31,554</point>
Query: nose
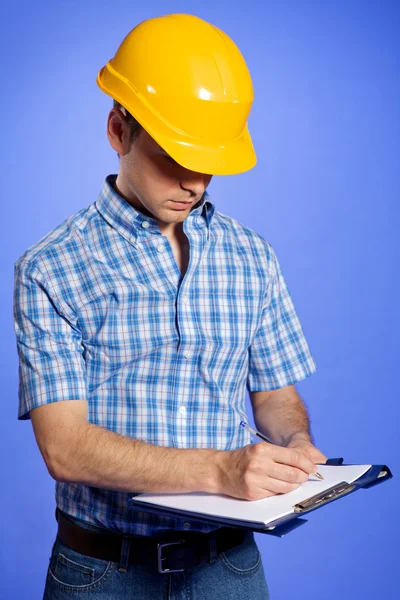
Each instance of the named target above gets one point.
<point>195,183</point>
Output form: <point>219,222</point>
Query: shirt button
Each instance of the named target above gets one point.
<point>186,526</point>
<point>186,354</point>
<point>185,300</point>
<point>160,248</point>
<point>145,224</point>
<point>182,410</point>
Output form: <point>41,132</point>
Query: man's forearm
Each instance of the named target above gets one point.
<point>281,415</point>
<point>101,458</point>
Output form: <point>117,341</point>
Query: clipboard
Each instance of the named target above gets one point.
<point>375,475</point>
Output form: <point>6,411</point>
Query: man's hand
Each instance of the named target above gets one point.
<point>308,449</point>
<point>258,471</point>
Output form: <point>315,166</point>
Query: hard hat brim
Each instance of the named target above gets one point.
<point>231,159</point>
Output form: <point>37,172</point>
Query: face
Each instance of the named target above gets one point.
<point>151,180</point>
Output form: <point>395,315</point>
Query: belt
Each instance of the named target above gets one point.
<point>171,551</point>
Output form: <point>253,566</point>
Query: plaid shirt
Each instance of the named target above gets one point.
<point>102,313</point>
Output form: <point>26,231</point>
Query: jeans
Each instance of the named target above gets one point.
<point>236,574</point>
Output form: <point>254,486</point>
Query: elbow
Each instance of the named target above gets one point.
<point>58,465</point>
<point>60,429</point>
<point>57,473</point>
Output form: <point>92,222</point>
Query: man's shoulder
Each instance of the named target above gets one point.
<point>246,236</point>
<point>65,238</point>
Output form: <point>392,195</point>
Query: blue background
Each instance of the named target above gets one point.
<point>325,193</point>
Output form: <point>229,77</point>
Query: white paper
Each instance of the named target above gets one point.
<point>260,511</point>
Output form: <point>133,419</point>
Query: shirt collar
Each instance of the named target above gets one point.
<point>128,220</point>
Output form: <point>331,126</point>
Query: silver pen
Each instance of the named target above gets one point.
<point>266,439</point>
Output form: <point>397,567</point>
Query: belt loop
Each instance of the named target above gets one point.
<point>213,548</point>
<point>124,558</point>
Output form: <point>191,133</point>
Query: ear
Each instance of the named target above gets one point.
<point>118,132</point>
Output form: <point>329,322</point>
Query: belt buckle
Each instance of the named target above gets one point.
<point>160,558</point>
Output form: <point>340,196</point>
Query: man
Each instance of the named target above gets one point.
<point>142,320</point>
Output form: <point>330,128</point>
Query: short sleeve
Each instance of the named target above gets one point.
<point>51,364</point>
<point>279,354</point>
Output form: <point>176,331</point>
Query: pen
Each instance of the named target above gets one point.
<point>266,439</point>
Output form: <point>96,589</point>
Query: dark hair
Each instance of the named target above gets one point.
<point>135,127</point>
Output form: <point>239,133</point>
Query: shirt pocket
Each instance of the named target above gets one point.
<point>230,318</point>
<point>124,325</point>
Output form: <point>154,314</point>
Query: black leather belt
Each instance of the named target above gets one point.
<point>171,551</point>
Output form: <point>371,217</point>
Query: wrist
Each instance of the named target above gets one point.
<point>207,475</point>
<point>216,472</point>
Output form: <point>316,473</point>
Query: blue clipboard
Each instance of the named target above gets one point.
<point>375,475</point>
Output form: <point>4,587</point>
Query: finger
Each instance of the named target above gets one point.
<point>294,458</point>
<point>314,455</point>
<point>322,458</point>
<point>277,486</point>
<point>287,473</point>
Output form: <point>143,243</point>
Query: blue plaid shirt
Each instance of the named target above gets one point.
<point>102,313</point>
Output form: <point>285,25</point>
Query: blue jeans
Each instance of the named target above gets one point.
<point>236,573</point>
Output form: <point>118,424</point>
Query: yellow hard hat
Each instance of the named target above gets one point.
<point>186,82</point>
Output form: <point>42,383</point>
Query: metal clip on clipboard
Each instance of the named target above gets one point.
<point>332,493</point>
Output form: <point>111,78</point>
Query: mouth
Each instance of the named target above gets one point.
<point>180,205</point>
